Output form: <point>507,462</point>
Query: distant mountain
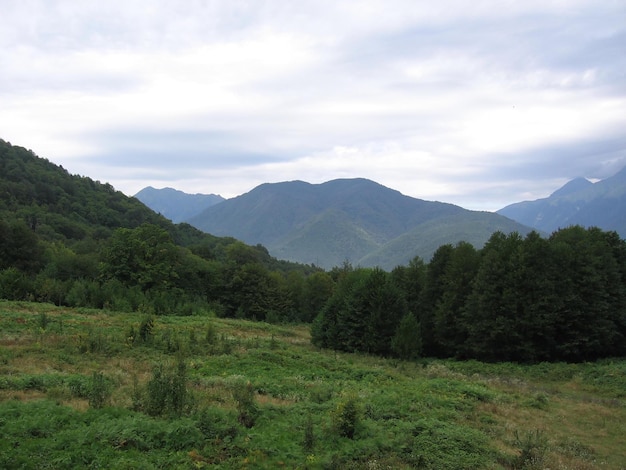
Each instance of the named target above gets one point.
<point>176,205</point>
<point>347,219</point>
<point>579,202</point>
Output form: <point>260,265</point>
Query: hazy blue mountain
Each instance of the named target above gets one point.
<point>176,205</point>
<point>579,202</point>
<point>346,219</point>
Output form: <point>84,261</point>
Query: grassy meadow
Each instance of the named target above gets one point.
<point>95,389</point>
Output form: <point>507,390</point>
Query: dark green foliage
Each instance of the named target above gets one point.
<point>19,247</point>
<point>561,298</point>
<point>434,444</point>
<point>308,441</point>
<point>450,326</point>
<point>215,423</point>
<point>432,293</point>
<point>243,394</point>
<point>362,315</point>
<point>166,392</point>
<point>72,241</point>
<point>100,390</point>
<point>347,417</point>
<point>146,329</point>
<point>517,299</point>
<point>407,342</point>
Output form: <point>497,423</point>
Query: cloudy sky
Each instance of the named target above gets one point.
<point>479,103</point>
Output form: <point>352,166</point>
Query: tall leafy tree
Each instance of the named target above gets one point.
<point>592,294</point>
<point>20,247</point>
<point>144,257</point>
<point>407,342</point>
<point>318,288</point>
<point>411,279</point>
<point>384,305</point>
<point>434,289</point>
<point>492,310</point>
<point>450,321</point>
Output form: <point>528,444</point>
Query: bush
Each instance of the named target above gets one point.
<point>308,442</point>
<point>146,329</point>
<point>533,446</point>
<point>214,423</point>
<point>166,392</point>
<point>243,393</point>
<point>100,391</point>
<point>347,416</point>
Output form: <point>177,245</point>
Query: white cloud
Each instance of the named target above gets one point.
<point>441,100</point>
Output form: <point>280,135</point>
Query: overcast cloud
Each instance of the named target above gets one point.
<point>480,104</point>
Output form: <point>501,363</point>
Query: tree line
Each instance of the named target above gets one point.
<point>531,299</point>
<point>143,269</point>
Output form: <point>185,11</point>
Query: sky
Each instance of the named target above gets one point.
<point>480,104</point>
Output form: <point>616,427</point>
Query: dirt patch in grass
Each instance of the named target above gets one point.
<point>21,395</point>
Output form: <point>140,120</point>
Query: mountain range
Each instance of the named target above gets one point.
<point>579,202</point>
<point>354,220</point>
<point>176,205</point>
<point>367,224</point>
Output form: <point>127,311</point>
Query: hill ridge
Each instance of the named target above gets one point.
<point>578,202</point>
<point>174,204</point>
<point>344,219</point>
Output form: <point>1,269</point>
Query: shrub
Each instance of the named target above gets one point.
<point>146,329</point>
<point>243,393</point>
<point>308,442</point>
<point>166,392</point>
<point>43,321</point>
<point>94,342</point>
<point>100,391</point>
<point>533,446</point>
<point>214,423</point>
<point>347,416</point>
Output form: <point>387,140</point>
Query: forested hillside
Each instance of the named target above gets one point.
<point>73,241</point>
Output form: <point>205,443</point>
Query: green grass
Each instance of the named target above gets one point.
<point>74,393</point>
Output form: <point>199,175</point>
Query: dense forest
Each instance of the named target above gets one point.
<point>517,299</point>
<point>72,241</point>
<point>76,242</point>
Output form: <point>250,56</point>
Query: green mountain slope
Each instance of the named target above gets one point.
<point>423,240</point>
<point>69,208</point>
<point>73,241</point>
<point>80,213</point>
<point>579,202</point>
<point>346,219</point>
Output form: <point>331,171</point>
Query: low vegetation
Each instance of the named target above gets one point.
<point>82,388</point>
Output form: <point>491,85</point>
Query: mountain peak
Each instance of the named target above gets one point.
<point>571,187</point>
<point>579,202</point>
